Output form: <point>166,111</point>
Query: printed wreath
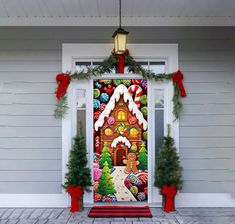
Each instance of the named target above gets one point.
<point>121,128</point>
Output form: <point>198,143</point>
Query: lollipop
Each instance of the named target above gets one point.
<point>134,190</point>
<point>96,93</point>
<point>144,111</point>
<point>132,120</point>
<point>141,196</point>
<point>102,106</point>
<point>144,83</point>
<point>136,81</point>
<point>144,99</point>
<point>117,82</point>
<point>104,97</point>
<point>97,197</point>
<point>96,103</point>
<point>97,115</point>
<point>110,120</point>
<point>96,185</point>
<point>126,82</point>
<point>107,81</point>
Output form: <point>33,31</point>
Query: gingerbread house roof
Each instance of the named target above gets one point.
<point>121,90</point>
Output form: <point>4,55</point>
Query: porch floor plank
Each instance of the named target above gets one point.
<point>63,216</point>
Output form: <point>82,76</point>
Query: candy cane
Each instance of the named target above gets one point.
<point>97,141</point>
<point>138,93</point>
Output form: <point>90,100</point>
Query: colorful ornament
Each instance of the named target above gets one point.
<point>126,82</point>
<point>136,81</point>
<point>109,90</point>
<point>96,93</point>
<point>132,120</point>
<point>112,196</point>
<point>104,97</point>
<point>144,83</point>
<point>146,190</point>
<point>96,171</point>
<point>144,111</point>
<point>108,132</point>
<point>110,120</point>
<point>121,128</point>
<point>96,103</point>
<point>97,115</point>
<point>107,81</point>
<point>134,147</point>
<point>138,93</point>
<point>144,99</point>
<point>127,183</point>
<point>144,178</point>
<point>117,82</point>
<point>145,135</point>
<point>97,197</point>
<point>141,196</point>
<point>133,132</point>
<point>102,106</point>
<point>134,190</point>
<point>98,85</point>
<point>96,185</point>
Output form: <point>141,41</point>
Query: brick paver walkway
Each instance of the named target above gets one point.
<point>63,216</point>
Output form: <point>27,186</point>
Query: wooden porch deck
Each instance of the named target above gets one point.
<point>63,216</point>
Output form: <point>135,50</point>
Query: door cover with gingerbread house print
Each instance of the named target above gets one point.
<point>120,140</point>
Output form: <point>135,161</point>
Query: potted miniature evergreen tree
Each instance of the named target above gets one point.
<point>168,172</point>
<point>78,177</point>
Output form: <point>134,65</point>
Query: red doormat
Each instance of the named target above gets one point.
<point>119,211</point>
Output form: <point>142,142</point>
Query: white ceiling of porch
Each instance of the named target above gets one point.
<point>105,12</point>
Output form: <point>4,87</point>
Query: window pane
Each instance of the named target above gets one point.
<point>81,110</point>
<point>159,130</point>
<point>158,67</point>
<point>79,66</point>
<point>159,98</point>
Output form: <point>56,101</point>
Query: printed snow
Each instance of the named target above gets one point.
<point>121,139</point>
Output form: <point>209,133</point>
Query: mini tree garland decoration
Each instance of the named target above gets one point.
<point>107,66</point>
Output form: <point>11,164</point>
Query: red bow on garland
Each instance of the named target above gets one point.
<point>121,60</point>
<point>63,81</point>
<point>178,77</point>
<point>170,193</point>
<point>75,193</point>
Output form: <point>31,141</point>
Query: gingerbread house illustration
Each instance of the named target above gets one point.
<point>121,124</point>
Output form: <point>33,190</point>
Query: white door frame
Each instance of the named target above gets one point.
<point>84,52</point>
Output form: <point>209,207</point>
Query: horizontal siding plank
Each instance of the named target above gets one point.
<point>36,153</point>
<point>31,187</point>
<point>208,153</point>
<point>208,187</point>
<point>30,143</point>
<point>29,121</point>
<point>207,142</point>
<point>17,66</point>
<point>48,165</point>
<point>32,176</point>
<point>35,98</point>
<point>209,175</point>
<point>212,131</point>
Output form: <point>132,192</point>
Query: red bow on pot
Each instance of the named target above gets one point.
<point>63,81</point>
<point>75,193</point>
<point>169,193</point>
<point>178,77</point>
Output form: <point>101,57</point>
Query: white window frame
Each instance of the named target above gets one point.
<point>144,52</point>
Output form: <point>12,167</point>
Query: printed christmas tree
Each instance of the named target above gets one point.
<point>105,157</point>
<point>143,157</point>
<point>106,185</point>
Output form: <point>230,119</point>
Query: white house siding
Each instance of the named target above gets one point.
<point>30,137</point>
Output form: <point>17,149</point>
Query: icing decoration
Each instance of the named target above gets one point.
<point>102,106</point>
<point>104,97</point>
<point>120,139</point>
<point>144,99</point>
<point>132,120</point>
<point>121,90</point>
<point>138,93</point>
<point>110,120</point>
<point>96,93</point>
<point>144,111</point>
<point>121,128</point>
<point>96,103</point>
